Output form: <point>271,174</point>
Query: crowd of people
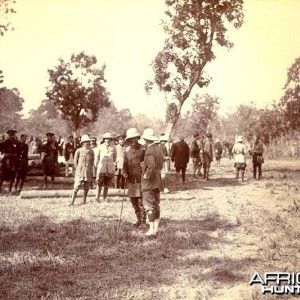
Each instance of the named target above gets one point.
<point>139,162</point>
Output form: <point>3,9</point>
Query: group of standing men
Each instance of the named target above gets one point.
<point>14,162</point>
<point>141,166</point>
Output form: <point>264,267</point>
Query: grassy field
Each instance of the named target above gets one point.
<point>214,235</point>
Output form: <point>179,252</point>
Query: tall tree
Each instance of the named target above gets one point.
<point>11,105</point>
<point>291,98</point>
<point>205,109</point>
<point>77,89</point>
<point>43,118</point>
<point>46,110</point>
<point>271,125</point>
<point>5,10</point>
<point>193,28</point>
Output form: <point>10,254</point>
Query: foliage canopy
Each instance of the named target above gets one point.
<point>193,29</point>
<point>77,90</point>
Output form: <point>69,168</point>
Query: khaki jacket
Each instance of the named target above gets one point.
<point>153,164</point>
<point>84,162</point>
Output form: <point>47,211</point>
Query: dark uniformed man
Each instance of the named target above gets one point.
<point>151,179</point>
<point>207,155</point>
<point>22,163</point>
<point>218,150</point>
<point>195,155</point>
<point>9,148</point>
<point>69,153</point>
<point>180,155</point>
<point>132,169</point>
<point>49,157</point>
<point>256,151</point>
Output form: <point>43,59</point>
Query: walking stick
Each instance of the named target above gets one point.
<point>124,197</point>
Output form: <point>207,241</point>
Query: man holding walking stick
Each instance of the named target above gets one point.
<point>132,172</point>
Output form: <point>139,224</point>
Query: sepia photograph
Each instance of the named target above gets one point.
<point>149,149</point>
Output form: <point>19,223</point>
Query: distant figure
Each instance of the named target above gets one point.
<point>34,146</point>
<point>9,149</point>
<point>120,151</point>
<point>166,169</point>
<point>218,151</point>
<point>22,163</point>
<point>49,157</point>
<point>195,155</point>
<point>61,144</point>
<point>83,162</point>
<point>294,150</point>
<point>256,151</point>
<point>94,146</point>
<point>228,146</point>
<point>207,155</point>
<point>181,156</point>
<point>105,164</point>
<point>239,151</point>
<point>69,152</point>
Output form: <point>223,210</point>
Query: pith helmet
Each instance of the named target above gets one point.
<point>132,133</point>
<point>149,135</point>
<point>85,138</point>
<point>163,138</point>
<point>240,139</point>
<point>107,135</point>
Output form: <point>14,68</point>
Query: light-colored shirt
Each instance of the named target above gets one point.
<point>239,151</point>
<point>120,151</point>
<point>105,159</point>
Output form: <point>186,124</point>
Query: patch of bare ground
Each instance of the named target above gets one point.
<point>209,245</point>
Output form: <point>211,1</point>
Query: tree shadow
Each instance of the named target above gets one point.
<point>99,260</point>
<point>191,184</point>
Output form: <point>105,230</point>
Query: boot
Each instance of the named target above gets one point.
<point>143,217</point>
<point>237,176</point>
<point>16,184</point>
<point>242,175</point>
<point>21,185</point>
<point>98,192</point>
<point>73,198</point>
<point>45,181</point>
<point>139,219</point>
<point>10,187</point>
<point>105,192</point>
<point>177,176</point>
<point>206,175</point>
<point>85,192</point>
<point>151,231</point>
<point>156,224</point>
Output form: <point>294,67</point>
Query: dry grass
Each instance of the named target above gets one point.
<point>208,246</point>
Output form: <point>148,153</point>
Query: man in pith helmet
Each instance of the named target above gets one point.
<point>105,164</point>
<point>132,168</point>
<point>151,179</point>
<point>84,163</point>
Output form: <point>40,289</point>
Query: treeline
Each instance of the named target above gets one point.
<point>79,102</point>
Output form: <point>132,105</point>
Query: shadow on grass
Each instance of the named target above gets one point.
<point>93,260</point>
<point>190,184</point>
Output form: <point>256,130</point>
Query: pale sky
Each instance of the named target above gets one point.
<point>126,35</point>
